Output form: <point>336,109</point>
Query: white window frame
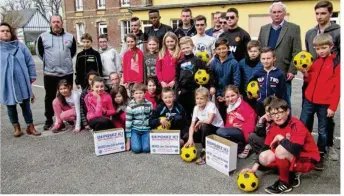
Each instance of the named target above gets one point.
<point>101,27</point>
<point>125,28</point>
<point>100,4</point>
<point>145,23</point>
<point>173,20</point>
<point>79,5</point>
<point>335,19</point>
<point>80,30</point>
<point>125,3</point>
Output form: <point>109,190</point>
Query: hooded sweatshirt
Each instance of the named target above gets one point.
<point>133,68</point>
<point>102,107</point>
<point>225,73</point>
<point>180,32</point>
<point>86,61</point>
<point>111,61</point>
<point>333,30</point>
<point>176,115</point>
<point>247,68</point>
<point>166,68</point>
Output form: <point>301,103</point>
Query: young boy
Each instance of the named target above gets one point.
<point>185,72</point>
<point>202,41</point>
<point>86,61</point>
<point>137,127</point>
<point>289,147</point>
<point>249,65</point>
<point>271,80</point>
<point>173,112</point>
<point>225,70</point>
<point>322,93</point>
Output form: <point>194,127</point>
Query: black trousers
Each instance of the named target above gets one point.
<point>187,100</point>
<point>50,86</point>
<point>202,133</point>
<point>256,142</point>
<point>101,123</point>
<point>234,135</point>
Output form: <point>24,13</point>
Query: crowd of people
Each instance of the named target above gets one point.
<point>150,83</point>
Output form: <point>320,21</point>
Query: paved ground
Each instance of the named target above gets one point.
<point>66,163</point>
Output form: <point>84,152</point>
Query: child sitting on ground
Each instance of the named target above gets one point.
<point>120,100</point>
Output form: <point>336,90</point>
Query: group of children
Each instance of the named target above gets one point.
<point>161,84</point>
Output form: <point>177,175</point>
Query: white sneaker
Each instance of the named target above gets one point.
<point>332,154</point>
<point>246,152</point>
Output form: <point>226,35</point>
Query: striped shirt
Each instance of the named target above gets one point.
<point>137,116</point>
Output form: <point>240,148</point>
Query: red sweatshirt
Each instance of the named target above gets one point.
<point>243,115</point>
<point>133,69</point>
<point>99,107</point>
<point>166,68</point>
<point>324,82</point>
<point>151,98</point>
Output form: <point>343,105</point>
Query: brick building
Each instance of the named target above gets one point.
<point>97,17</point>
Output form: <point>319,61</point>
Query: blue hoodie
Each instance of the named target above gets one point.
<point>247,68</point>
<point>225,73</point>
<point>270,83</point>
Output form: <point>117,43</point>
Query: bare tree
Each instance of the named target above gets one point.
<point>13,18</point>
<point>48,7</point>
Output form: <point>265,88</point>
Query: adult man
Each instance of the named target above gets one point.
<point>323,13</point>
<point>157,29</point>
<point>111,60</point>
<point>237,37</point>
<point>202,41</point>
<point>186,28</point>
<point>214,31</point>
<point>56,48</point>
<point>135,25</point>
<point>285,38</point>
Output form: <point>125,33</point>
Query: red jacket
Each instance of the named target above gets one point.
<point>166,68</point>
<point>129,74</point>
<point>324,82</point>
<point>98,108</point>
<point>243,115</point>
<point>296,133</point>
<point>152,98</point>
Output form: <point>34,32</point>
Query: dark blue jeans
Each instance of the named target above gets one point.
<point>288,95</point>
<point>234,135</point>
<point>140,141</point>
<point>307,117</point>
<point>26,109</point>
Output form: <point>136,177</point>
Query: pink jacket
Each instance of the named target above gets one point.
<point>243,115</point>
<point>98,108</point>
<point>166,68</point>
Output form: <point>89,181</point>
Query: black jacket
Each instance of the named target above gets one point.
<point>86,61</point>
<point>160,33</point>
<point>180,33</point>
<point>176,116</point>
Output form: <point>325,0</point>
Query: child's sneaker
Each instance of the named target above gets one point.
<point>278,187</point>
<point>320,164</point>
<point>332,154</point>
<point>295,179</point>
<point>255,156</point>
<point>201,159</point>
<point>246,152</point>
<point>58,128</point>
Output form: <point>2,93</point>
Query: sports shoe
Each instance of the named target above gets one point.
<point>246,152</point>
<point>47,125</point>
<point>201,159</point>
<point>320,164</point>
<point>295,179</point>
<point>332,154</point>
<point>255,156</point>
<point>278,187</point>
<point>58,128</point>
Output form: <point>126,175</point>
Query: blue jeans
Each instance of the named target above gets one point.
<point>233,134</point>
<point>139,141</point>
<point>307,117</point>
<point>288,95</point>
<point>26,109</point>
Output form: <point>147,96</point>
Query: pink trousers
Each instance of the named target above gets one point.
<point>62,112</point>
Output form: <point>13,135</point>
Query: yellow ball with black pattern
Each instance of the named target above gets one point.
<point>203,56</point>
<point>188,154</point>
<point>202,77</point>
<point>253,89</point>
<point>303,60</point>
<point>167,127</point>
<point>247,182</point>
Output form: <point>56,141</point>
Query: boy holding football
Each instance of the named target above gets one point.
<point>288,146</point>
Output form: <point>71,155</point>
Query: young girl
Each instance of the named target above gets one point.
<point>167,60</point>
<point>132,63</point>
<point>83,109</point>
<point>240,120</point>
<point>99,106</point>
<point>120,100</point>
<point>153,91</point>
<point>66,107</point>
<point>206,119</point>
<point>150,57</point>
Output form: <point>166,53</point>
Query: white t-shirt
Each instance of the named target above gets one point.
<point>210,108</point>
<point>74,101</point>
<point>204,43</point>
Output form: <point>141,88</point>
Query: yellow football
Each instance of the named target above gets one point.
<point>303,60</point>
<point>247,181</point>
<point>253,89</point>
<point>202,77</point>
<point>168,125</point>
<point>188,154</point>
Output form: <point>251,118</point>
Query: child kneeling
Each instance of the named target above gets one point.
<point>137,126</point>
<point>289,147</point>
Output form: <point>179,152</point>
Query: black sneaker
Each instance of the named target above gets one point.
<point>278,187</point>
<point>70,122</point>
<point>47,125</point>
<point>295,179</point>
<point>320,164</point>
<point>58,129</point>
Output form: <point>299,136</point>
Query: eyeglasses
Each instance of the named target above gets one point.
<point>223,22</point>
<point>276,113</point>
<point>230,17</point>
<point>102,42</point>
<point>200,25</point>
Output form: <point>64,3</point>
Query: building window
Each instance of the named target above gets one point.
<point>335,17</point>
<point>80,30</point>
<point>125,28</point>
<point>145,25</point>
<point>125,3</point>
<point>174,23</point>
<point>78,5</point>
<point>100,4</point>
<point>102,28</point>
